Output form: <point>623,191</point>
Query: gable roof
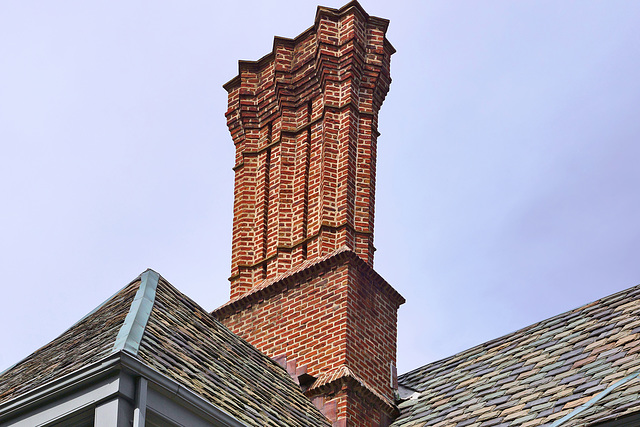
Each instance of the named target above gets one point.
<point>87,341</point>
<point>576,368</point>
<point>165,330</point>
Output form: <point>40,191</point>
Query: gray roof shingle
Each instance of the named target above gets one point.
<point>87,341</point>
<point>536,375</point>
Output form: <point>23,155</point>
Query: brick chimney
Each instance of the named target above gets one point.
<point>303,290</point>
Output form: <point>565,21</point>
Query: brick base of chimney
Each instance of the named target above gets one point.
<point>349,405</point>
<point>332,324</point>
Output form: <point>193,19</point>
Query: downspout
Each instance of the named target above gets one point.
<point>140,410</point>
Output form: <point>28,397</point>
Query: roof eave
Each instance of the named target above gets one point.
<point>121,361</point>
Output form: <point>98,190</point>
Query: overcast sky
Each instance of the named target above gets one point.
<point>507,166</point>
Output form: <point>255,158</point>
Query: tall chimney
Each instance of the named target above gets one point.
<point>303,290</point>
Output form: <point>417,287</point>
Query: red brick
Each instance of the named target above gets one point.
<point>304,123</point>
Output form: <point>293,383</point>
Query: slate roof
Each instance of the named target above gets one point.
<point>578,368</point>
<point>186,343</point>
<point>89,340</point>
<point>170,333</point>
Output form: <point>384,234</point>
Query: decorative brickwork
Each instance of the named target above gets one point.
<point>303,289</point>
<point>349,405</point>
<point>304,122</point>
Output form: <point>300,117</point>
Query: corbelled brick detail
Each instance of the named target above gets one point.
<point>349,405</point>
<point>303,290</point>
<point>304,122</point>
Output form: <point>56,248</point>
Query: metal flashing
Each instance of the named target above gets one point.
<point>594,400</point>
<point>131,332</point>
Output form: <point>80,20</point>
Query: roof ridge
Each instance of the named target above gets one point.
<point>496,341</point>
<point>132,329</point>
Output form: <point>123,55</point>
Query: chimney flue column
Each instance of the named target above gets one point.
<point>304,123</point>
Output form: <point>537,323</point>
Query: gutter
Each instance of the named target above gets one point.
<point>62,385</point>
<point>113,363</point>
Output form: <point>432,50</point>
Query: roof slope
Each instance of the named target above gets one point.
<point>186,343</point>
<point>165,330</point>
<point>88,341</point>
<point>576,368</point>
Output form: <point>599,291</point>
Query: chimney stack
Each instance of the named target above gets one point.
<point>304,123</point>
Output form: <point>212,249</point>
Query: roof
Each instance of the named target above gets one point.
<point>577,368</point>
<point>152,321</point>
<point>89,340</point>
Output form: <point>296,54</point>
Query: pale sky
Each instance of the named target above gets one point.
<point>507,165</point>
